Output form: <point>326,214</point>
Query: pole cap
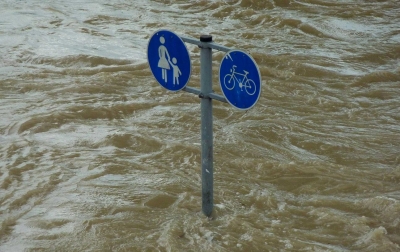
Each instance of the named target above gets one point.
<point>205,38</point>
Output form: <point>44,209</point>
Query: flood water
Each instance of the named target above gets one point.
<point>96,156</point>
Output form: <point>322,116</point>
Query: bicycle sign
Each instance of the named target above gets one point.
<point>230,81</point>
<point>240,79</point>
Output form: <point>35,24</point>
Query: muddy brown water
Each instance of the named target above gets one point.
<point>96,156</point>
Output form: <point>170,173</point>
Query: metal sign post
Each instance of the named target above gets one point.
<point>207,172</point>
<point>241,87</point>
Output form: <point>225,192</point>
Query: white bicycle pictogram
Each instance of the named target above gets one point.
<point>230,81</point>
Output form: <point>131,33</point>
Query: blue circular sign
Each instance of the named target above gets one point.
<point>169,60</point>
<point>240,79</point>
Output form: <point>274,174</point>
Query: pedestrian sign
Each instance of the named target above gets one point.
<point>169,60</point>
<point>240,79</point>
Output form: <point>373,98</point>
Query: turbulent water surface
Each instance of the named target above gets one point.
<point>96,156</point>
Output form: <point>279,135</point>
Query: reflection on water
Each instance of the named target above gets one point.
<point>96,156</point>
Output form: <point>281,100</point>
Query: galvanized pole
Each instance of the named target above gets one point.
<point>206,125</point>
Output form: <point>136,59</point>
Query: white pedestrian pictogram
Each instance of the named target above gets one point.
<point>165,63</point>
<point>164,59</point>
<point>176,71</point>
